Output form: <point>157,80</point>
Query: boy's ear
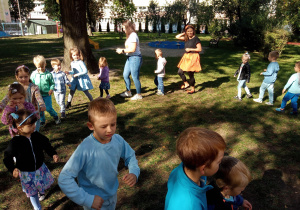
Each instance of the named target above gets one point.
<point>90,126</point>
<point>201,169</point>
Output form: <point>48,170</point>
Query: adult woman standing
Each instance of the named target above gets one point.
<point>133,62</point>
<point>190,61</point>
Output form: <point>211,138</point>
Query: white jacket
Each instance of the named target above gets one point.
<point>160,71</point>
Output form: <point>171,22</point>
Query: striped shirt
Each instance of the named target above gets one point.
<point>60,80</point>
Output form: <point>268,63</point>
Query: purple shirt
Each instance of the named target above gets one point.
<point>104,74</point>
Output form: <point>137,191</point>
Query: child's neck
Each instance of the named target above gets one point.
<point>194,175</point>
<point>41,70</point>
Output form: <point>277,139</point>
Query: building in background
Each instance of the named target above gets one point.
<point>38,11</point>
<point>4,11</point>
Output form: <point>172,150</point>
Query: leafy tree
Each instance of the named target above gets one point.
<point>203,11</point>
<point>176,11</point>
<point>153,14</point>
<point>52,9</point>
<point>26,6</point>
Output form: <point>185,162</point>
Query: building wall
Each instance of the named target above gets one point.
<point>38,11</point>
<point>4,11</point>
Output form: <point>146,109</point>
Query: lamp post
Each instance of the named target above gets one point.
<point>20,19</point>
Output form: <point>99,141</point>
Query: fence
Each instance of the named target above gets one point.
<point>13,28</point>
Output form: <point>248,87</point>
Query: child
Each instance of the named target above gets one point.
<point>104,77</point>
<point>160,71</point>
<point>28,148</point>
<point>81,80</point>
<point>201,152</point>
<point>43,78</point>
<point>60,81</point>
<point>95,161</point>
<point>270,78</point>
<point>33,94</point>
<point>231,179</point>
<point>16,94</point>
<point>243,74</point>
<point>293,86</point>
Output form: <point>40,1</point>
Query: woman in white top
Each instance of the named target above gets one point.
<point>133,62</point>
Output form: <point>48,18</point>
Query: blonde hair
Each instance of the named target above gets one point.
<point>158,52</point>
<point>102,62</point>
<point>55,62</point>
<point>232,172</point>
<point>198,146</point>
<point>274,55</point>
<point>39,61</point>
<point>247,56</point>
<point>101,106</point>
<point>75,50</point>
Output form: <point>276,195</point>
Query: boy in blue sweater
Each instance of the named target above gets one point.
<point>270,75</point>
<point>95,161</point>
<point>201,152</point>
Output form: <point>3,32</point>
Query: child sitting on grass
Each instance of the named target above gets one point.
<point>293,87</point>
<point>201,152</point>
<point>95,161</point>
<point>231,179</point>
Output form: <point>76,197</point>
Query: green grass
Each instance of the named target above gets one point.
<point>268,142</point>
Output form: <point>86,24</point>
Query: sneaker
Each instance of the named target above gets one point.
<point>160,93</point>
<point>279,110</point>
<point>136,97</point>
<point>269,103</point>
<point>237,98</point>
<point>63,115</point>
<point>293,113</point>
<point>126,94</point>
<point>41,197</point>
<point>249,95</point>
<point>257,100</point>
<point>57,121</point>
<point>108,96</point>
<point>68,105</point>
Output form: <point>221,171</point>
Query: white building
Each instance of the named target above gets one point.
<point>38,11</point>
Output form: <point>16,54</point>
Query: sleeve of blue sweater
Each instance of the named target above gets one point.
<point>82,68</point>
<point>128,154</point>
<point>292,79</point>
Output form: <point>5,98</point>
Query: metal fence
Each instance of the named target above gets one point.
<point>13,28</point>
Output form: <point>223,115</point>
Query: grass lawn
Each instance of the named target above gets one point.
<point>267,142</point>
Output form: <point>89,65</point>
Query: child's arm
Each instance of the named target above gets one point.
<point>4,102</point>
<point>291,80</point>
<point>67,80</point>
<point>39,98</point>
<point>6,119</point>
<point>82,69</point>
<point>103,73</point>
<point>8,157</point>
<point>248,74</point>
<point>247,205</point>
<point>51,84</point>
<point>236,72</point>
<point>47,147</point>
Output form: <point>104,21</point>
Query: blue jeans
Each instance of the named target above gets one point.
<point>35,202</point>
<point>242,84</point>
<point>270,88</point>
<point>132,67</point>
<point>159,82</point>
<point>293,97</point>
<point>49,109</point>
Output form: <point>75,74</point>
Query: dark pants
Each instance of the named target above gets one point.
<point>191,75</point>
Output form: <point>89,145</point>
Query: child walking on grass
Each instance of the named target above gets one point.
<point>94,164</point>
<point>243,75</point>
<point>293,87</point>
<point>60,82</point>
<point>28,148</point>
<point>160,71</point>
<point>104,77</point>
<point>16,95</point>
<point>44,79</point>
<point>81,80</point>
<point>33,94</point>
<point>231,179</point>
<point>270,75</point>
<point>201,152</point>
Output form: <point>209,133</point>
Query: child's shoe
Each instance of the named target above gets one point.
<point>136,97</point>
<point>237,98</point>
<point>257,100</point>
<point>249,95</point>
<point>294,113</point>
<point>41,197</point>
<point>160,93</point>
<point>269,103</point>
<point>279,110</point>
<point>108,96</point>
<point>68,105</point>
<point>63,115</point>
<point>57,120</point>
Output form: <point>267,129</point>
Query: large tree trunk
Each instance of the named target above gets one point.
<point>73,13</point>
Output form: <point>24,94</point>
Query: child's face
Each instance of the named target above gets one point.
<point>214,167</point>
<point>297,69</point>
<point>244,60</point>
<point>104,127</point>
<point>75,56</point>
<point>23,78</point>
<point>56,67</point>
<point>16,99</point>
<point>26,130</point>
<point>190,32</point>
<point>235,191</point>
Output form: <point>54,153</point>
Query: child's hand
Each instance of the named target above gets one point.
<point>130,179</point>
<point>42,109</point>
<point>97,203</point>
<point>50,92</point>
<point>188,49</point>
<point>55,158</point>
<point>261,73</point>
<point>247,205</point>
<point>283,90</point>
<point>16,173</point>
<point>69,85</point>
<point>12,105</point>
<point>265,69</point>
<point>20,106</point>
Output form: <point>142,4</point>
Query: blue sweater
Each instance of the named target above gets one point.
<point>293,84</point>
<point>82,82</point>
<point>271,73</point>
<point>183,193</point>
<point>96,167</point>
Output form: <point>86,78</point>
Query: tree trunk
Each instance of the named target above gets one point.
<point>73,13</point>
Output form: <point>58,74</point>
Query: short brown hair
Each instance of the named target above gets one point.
<point>102,62</point>
<point>232,172</point>
<point>101,106</point>
<point>16,88</point>
<point>39,61</point>
<point>198,146</point>
<point>55,61</point>
<point>297,64</point>
<point>129,26</point>
<point>274,55</point>
<point>75,50</point>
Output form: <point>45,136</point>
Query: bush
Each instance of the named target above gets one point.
<point>216,28</point>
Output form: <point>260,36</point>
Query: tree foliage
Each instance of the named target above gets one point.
<point>26,6</point>
<point>176,11</point>
<point>52,9</point>
<point>122,10</point>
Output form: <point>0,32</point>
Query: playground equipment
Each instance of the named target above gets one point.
<point>95,44</point>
